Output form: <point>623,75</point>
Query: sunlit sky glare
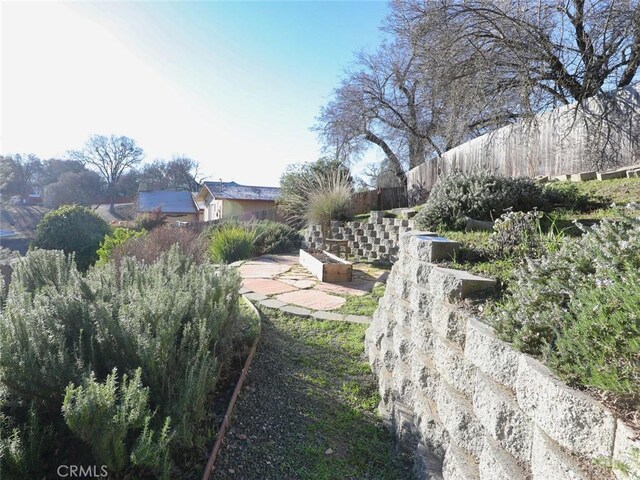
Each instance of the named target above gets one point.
<point>233,85</point>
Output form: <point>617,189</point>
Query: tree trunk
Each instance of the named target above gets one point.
<point>393,159</point>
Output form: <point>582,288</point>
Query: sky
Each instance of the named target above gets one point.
<point>234,85</point>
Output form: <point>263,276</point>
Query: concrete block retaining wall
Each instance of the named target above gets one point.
<point>377,238</point>
<point>469,405</point>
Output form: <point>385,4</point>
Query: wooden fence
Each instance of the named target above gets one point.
<point>379,199</point>
<point>558,142</point>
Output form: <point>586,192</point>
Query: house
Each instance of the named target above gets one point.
<point>217,200</point>
<point>178,205</point>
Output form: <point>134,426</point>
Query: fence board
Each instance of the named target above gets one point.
<point>558,142</point>
<point>379,199</point>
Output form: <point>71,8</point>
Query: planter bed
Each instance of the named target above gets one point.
<point>326,266</point>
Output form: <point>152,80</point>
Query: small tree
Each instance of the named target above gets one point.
<point>73,229</point>
<point>111,157</point>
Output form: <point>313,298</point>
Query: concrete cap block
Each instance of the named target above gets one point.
<point>570,417</point>
<point>405,238</point>
<point>583,176</point>
<point>454,285</point>
<point>429,248</point>
<point>612,175</point>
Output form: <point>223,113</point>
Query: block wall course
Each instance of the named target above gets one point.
<point>467,404</point>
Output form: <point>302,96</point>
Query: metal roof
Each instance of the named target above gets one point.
<point>234,191</point>
<point>169,201</point>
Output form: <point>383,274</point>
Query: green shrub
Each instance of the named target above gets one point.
<point>171,319</point>
<point>533,313</point>
<point>599,341</point>
<point>72,229</point>
<point>149,221</point>
<point>230,243</point>
<point>274,237</point>
<point>517,234</point>
<point>479,195</point>
<point>107,415</point>
<point>23,447</point>
<point>268,236</point>
<point>115,240</point>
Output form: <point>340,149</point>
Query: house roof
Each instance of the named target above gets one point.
<point>235,191</point>
<point>169,201</point>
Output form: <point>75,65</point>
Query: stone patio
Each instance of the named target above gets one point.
<point>279,281</point>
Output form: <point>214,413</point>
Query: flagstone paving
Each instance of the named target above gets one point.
<point>357,288</point>
<point>312,299</point>
<point>262,270</point>
<point>279,281</point>
<point>266,286</point>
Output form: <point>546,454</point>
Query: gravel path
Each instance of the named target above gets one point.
<point>306,410</point>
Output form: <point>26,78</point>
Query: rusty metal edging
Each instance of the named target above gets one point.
<point>227,416</point>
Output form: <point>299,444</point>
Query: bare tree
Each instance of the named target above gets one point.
<point>411,103</point>
<point>551,52</point>
<point>111,156</point>
<point>383,101</point>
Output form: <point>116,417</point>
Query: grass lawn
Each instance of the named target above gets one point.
<point>618,190</point>
<point>364,304</point>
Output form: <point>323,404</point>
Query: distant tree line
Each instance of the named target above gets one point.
<point>106,167</point>
<point>451,70</point>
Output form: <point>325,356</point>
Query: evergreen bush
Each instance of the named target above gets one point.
<point>599,341</point>
<point>170,320</point>
<point>479,195</point>
<point>268,236</point>
<point>534,312</point>
<point>114,240</point>
<point>150,220</point>
<point>231,243</point>
<point>73,229</point>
